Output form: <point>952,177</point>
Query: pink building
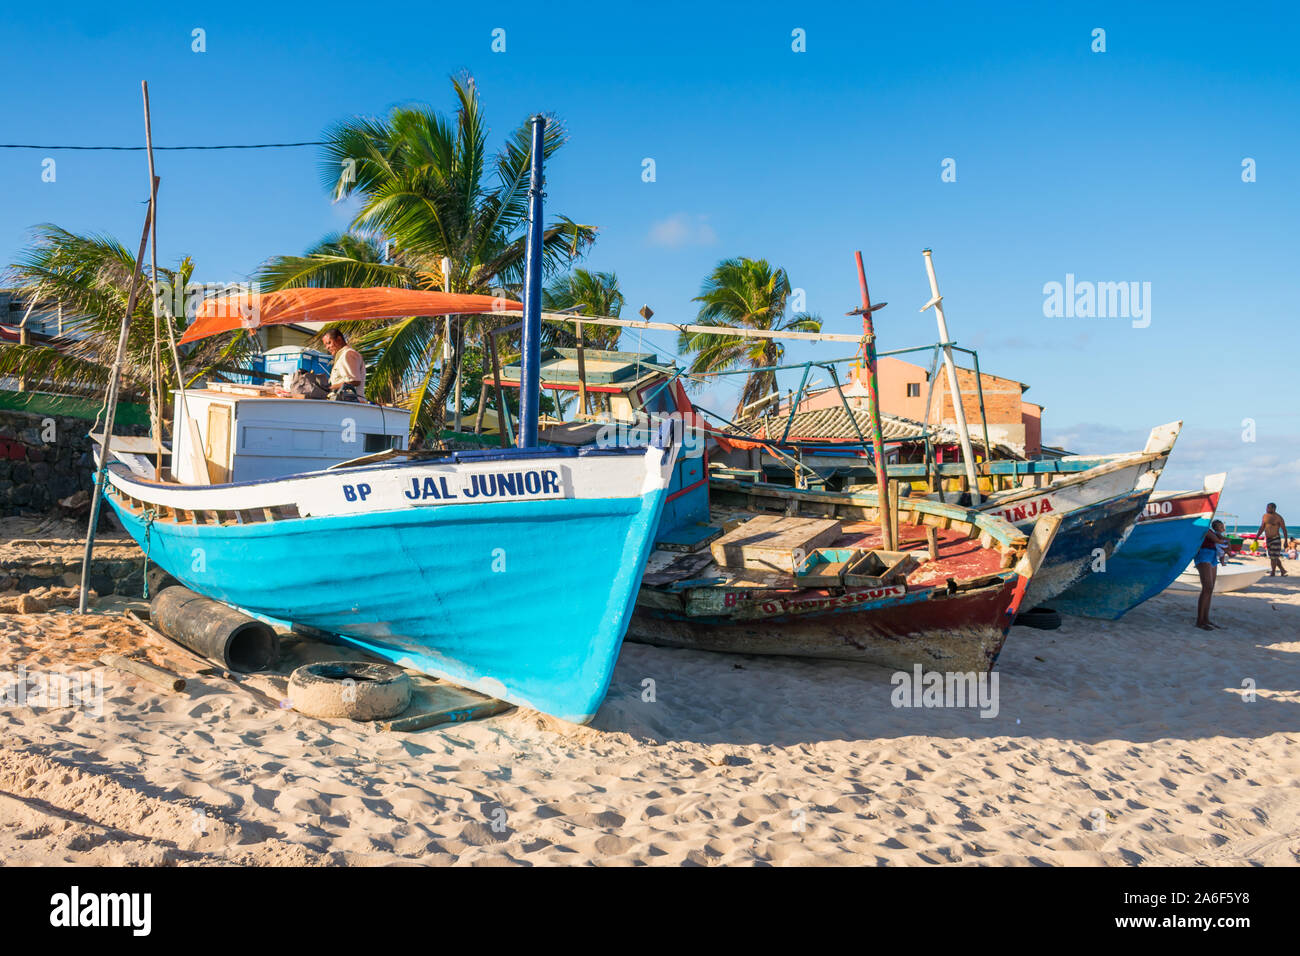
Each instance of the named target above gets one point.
<point>904,387</point>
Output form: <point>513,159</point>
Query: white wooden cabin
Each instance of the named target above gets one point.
<point>244,434</point>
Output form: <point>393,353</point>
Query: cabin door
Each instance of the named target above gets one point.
<point>216,447</point>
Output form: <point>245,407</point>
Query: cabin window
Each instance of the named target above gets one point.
<point>376,443</point>
<point>913,389</point>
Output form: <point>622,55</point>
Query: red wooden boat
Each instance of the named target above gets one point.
<point>948,612</point>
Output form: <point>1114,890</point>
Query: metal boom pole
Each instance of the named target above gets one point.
<point>530,373</point>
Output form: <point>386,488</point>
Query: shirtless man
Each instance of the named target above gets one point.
<point>1273,527</point>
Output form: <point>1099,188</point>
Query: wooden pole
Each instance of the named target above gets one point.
<point>155,361</point>
<point>110,412</point>
<point>180,414</point>
<point>458,351</point>
<point>22,340</point>
<point>582,372</point>
<point>478,418</point>
<point>460,361</point>
<point>649,326</point>
<point>932,541</point>
<point>893,513</point>
<point>873,408</point>
<point>154,675</point>
<point>503,413</point>
<point>959,410</point>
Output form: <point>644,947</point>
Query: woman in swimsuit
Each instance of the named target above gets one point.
<point>1207,566</point>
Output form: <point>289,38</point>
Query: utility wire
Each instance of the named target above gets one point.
<point>141,148</point>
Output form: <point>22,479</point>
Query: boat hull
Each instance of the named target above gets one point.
<point>960,632</point>
<point>525,600</point>
<point>1230,577</point>
<point>1086,534</point>
<point>1160,546</point>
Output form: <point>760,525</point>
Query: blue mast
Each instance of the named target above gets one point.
<point>530,384</point>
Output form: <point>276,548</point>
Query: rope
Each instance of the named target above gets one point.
<point>136,149</point>
<point>149,516</point>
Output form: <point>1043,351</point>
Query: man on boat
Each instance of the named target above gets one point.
<point>1273,529</point>
<point>349,368</point>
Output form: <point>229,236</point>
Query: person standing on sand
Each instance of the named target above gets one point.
<point>1207,566</point>
<point>1273,527</point>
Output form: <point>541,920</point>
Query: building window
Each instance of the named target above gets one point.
<point>913,389</point>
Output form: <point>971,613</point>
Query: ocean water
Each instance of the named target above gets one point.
<point>1252,528</point>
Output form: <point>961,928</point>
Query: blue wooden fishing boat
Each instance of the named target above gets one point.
<point>1161,545</point>
<point>510,571</point>
<point>1099,508</point>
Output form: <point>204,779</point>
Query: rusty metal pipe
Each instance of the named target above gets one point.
<point>215,631</point>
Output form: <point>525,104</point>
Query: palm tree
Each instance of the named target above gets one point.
<point>748,294</point>
<point>428,189</point>
<point>597,293</point>
<point>90,277</point>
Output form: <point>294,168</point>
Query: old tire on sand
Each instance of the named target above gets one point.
<point>353,689</point>
<point>1043,618</point>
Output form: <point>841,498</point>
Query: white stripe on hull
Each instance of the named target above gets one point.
<point>391,488</point>
<point>1080,491</point>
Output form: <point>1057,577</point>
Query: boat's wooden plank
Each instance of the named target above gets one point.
<point>686,567</point>
<point>689,538</point>
<point>770,542</point>
<point>443,704</point>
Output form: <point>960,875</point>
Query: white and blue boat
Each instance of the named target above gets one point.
<point>1099,507</point>
<point>1162,543</point>
<point>510,571</point>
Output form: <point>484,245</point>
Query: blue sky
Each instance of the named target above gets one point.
<point>1122,166</point>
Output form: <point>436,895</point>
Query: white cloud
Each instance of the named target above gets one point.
<point>1258,472</point>
<point>681,229</point>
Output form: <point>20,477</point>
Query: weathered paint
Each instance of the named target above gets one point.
<point>898,625</point>
<point>1086,535</point>
<point>1160,546</point>
<point>523,600</point>
<point>956,632</point>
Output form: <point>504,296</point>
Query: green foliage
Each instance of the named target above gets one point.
<point>597,293</point>
<point>748,294</point>
<point>428,188</point>
<point>90,276</point>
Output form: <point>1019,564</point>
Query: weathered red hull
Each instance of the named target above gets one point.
<point>961,631</point>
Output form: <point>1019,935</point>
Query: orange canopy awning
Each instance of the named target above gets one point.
<point>256,309</point>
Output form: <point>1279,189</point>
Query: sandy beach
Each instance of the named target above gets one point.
<point>1114,743</point>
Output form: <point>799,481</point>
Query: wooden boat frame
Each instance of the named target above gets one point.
<point>889,626</point>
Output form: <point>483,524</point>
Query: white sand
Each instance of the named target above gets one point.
<point>1117,743</point>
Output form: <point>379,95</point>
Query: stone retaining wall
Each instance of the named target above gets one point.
<point>44,458</point>
<point>116,568</point>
